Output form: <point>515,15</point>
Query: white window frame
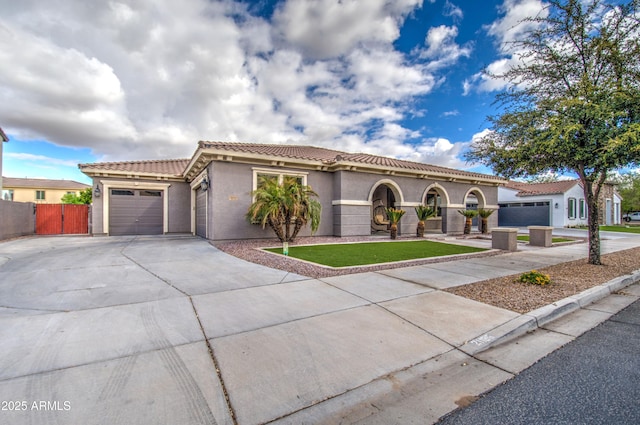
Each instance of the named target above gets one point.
<point>582,209</point>
<point>280,173</point>
<point>44,195</point>
<point>571,208</point>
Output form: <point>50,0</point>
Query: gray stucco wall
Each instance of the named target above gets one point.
<point>229,199</point>
<point>179,200</point>
<point>352,220</point>
<point>18,219</point>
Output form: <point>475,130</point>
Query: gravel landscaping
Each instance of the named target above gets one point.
<point>566,279</point>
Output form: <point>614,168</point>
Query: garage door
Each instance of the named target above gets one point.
<point>201,213</point>
<point>521,214</point>
<point>135,212</point>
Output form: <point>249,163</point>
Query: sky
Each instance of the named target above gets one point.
<point>92,80</point>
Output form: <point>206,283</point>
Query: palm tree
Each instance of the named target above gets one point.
<point>423,212</point>
<point>394,217</point>
<point>484,215</point>
<point>469,215</point>
<point>281,205</point>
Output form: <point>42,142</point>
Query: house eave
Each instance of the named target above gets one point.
<point>98,172</point>
<point>204,156</point>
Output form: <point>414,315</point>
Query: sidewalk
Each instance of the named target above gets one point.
<point>171,330</point>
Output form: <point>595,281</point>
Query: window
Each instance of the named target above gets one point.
<point>40,195</point>
<point>260,174</point>
<point>582,207</point>
<point>571,210</point>
<point>156,193</point>
<point>434,200</point>
<point>122,192</point>
<point>7,195</point>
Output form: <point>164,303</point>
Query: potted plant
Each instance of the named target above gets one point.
<point>394,217</point>
<point>469,215</point>
<point>423,212</point>
<point>484,216</point>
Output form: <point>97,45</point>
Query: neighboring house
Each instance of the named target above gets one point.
<point>3,138</point>
<point>40,191</point>
<point>558,204</point>
<point>209,194</point>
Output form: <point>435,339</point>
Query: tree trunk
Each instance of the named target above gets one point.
<point>277,229</point>
<point>591,194</point>
<point>467,226</point>
<point>420,229</point>
<point>393,231</point>
<point>485,225</point>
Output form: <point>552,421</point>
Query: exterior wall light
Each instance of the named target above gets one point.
<point>97,192</point>
<point>204,184</point>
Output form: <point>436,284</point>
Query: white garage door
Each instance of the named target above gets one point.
<point>135,212</point>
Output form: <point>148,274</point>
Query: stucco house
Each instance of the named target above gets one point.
<point>39,191</point>
<point>209,194</point>
<point>558,204</point>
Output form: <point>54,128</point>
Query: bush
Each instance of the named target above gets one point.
<point>535,278</point>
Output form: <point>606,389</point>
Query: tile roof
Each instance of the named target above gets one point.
<point>14,182</point>
<point>168,167</point>
<point>3,136</point>
<point>332,157</point>
<point>533,189</point>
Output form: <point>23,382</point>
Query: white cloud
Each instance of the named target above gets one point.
<point>326,29</point>
<point>505,31</point>
<point>439,151</point>
<point>453,11</point>
<point>42,159</point>
<point>442,49</point>
<point>147,79</point>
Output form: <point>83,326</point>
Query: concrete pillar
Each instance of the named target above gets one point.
<point>505,238</point>
<point>540,235</point>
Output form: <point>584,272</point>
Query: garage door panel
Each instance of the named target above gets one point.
<point>135,212</point>
<point>524,214</point>
<point>201,213</point>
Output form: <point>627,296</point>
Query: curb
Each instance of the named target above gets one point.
<point>537,318</point>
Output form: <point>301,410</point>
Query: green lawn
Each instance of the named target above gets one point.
<point>630,229</point>
<point>358,254</point>
<point>525,238</point>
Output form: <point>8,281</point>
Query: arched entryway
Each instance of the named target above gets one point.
<point>435,196</point>
<point>474,199</point>
<point>384,194</point>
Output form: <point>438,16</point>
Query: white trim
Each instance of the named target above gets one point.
<point>410,204</point>
<point>392,185</point>
<point>353,202</point>
<point>280,172</point>
<point>440,190</point>
<point>478,190</point>
<point>195,183</point>
<point>492,207</point>
<point>120,184</point>
<point>463,206</point>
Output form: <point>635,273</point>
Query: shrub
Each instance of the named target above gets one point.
<point>535,278</point>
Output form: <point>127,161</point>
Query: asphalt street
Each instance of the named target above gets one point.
<point>594,379</point>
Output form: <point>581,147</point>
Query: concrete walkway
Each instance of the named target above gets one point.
<point>166,330</point>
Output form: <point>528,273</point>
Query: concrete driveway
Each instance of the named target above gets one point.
<point>170,330</point>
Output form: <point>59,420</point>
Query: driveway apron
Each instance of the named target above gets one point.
<point>168,329</point>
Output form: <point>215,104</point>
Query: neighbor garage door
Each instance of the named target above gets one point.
<point>201,213</point>
<point>521,214</point>
<point>135,212</point>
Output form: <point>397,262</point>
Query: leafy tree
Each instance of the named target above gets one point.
<point>283,205</point>
<point>629,190</point>
<point>85,197</point>
<point>573,102</point>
